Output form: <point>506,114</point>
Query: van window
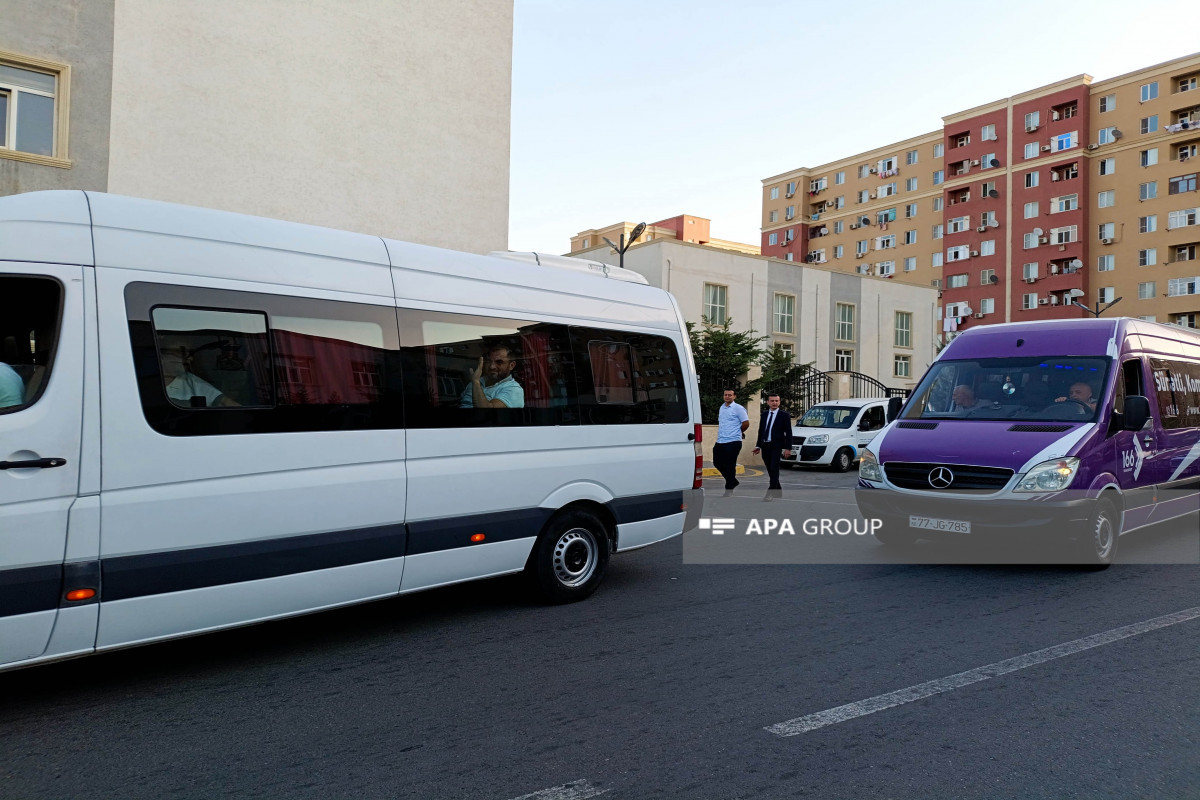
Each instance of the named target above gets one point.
<point>829,417</point>
<point>30,309</point>
<point>525,371</point>
<point>628,378</point>
<point>217,362</point>
<point>874,418</point>
<point>1177,389</point>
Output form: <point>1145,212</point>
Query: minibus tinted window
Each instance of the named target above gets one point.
<point>629,378</point>
<point>828,417</point>
<point>1177,390</point>
<point>1061,388</point>
<point>30,308</point>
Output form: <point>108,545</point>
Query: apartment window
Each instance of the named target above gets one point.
<point>838,251</point>
<point>910,263</point>
<point>1149,157</point>
<point>32,107</point>
<point>1148,257</point>
<point>772,216</point>
<point>989,161</point>
<point>1105,294</point>
<point>1028,301</point>
<point>885,242</point>
<point>1188,320</point>
<point>864,170</point>
<point>1147,290</point>
<point>1148,191</point>
<point>1181,219</point>
<point>1106,230</point>
<point>587,242</point>
<point>1108,103</point>
<point>939,177</point>
<point>774,192</point>
<point>910,184</point>
<point>789,212</point>
<point>988,218</point>
<point>1177,287</point>
<point>987,305</point>
<point>935,260</point>
<point>1031,180</point>
<point>791,188</point>
<point>864,196</point>
<point>910,157</point>
<point>786,349</point>
<point>1105,199</point>
<point>1108,166</point>
<point>1187,84</point>
<point>887,189</point>
<point>789,256</point>
<point>1184,183</point>
<point>902,367</point>
<point>844,330</point>
<point>939,150</point>
<point>958,224</point>
<point>937,204</point>
<point>910,237</point>
<point>843,360</point>
<point>1069,110</point>
<point>885,268</point>
<point>1150,124</point>
<point>1068,202</point>
<point>1149,91</point>
<point>839,226</point>
<point>985,276</point>
<point>772,238</point>
<point>1033,119</point>
<point>1031,150</point>
<point>1065,141</point>
<point>1031,241</point>
<point>785,312</point>
<point>937,231</point>
<point>956,281</point>
<point>839,178</point>
<point>987,247</point>
<point>988,134</point>
<point>910,210</point>
<point>715,302</point>
<point>1148,224</point>
<point>861,247</point>
<point>962,140</point>
<point>1029,270</point>
<point>1105,263</point>
<point>1064,235</point>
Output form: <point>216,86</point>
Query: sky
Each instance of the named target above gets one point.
<point>641,111</point>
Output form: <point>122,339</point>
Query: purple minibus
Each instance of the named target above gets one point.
<point>1077,430</point>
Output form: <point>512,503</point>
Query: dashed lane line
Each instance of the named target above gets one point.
<point>575,790</point>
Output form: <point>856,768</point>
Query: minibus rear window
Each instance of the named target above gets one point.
<point>1060,388</point>
<point>30,310</point>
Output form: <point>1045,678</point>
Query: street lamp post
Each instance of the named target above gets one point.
<point>1098,310</point>
<point>637,231</point>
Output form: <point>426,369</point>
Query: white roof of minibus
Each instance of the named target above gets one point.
<point>93,228</point>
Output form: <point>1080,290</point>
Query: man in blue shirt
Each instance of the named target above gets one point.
<point>500,389</point>
<point>732,422</point>
<point>12,388</point>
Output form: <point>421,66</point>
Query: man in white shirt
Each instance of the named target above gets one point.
<point>182,386</point>
<point>732,422</point>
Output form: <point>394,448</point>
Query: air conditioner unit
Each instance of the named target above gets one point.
<point>1043,240</point>
<point>982,229</point>
<point>1092,146</point>
<point>1043,301</point>
<point>974,162</point>
<point>1053,299</point>
<point>1054,176</point>
<point>871,196</point>
<point>872,170</point>
<point>1045,149</point>
<point>1106,241</point>
<point>1030,128</point>
<point>1054,269</point>
<point>979,315</point>
<point>859,255</point>
<point>1055,115</point>
<point>1031,280</point>
<point>853,226</point>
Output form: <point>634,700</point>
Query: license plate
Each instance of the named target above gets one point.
<point>932,524</point>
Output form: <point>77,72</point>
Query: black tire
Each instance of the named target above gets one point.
<point>1097,549</point>
<point>570,557</point>
<point>842,460</point>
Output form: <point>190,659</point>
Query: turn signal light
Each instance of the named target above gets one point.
<point>81,594</point>
<point>477,537</point>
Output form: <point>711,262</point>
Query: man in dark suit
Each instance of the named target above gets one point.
<point>774,438</point>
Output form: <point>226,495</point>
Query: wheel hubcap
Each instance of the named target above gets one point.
<point>575,557</point>
<point>1103,538</point>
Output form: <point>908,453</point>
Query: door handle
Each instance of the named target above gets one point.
<point>36,463</point>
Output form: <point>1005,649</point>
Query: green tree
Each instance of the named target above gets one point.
<point>780,374</point>
<point>722,358</point>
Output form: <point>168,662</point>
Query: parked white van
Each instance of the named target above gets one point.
<point>833,433</point>
<point>209,419</point>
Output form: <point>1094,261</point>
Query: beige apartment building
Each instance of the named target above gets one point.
<point>1074,192</point>
<point>684,228</point>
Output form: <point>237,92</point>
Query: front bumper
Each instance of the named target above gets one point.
<point>1067,517</point>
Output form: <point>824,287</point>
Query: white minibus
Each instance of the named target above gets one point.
<point>209,419</point>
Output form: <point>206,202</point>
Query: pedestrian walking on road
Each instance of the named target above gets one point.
<point>774,439</point>
<point>732,422</point>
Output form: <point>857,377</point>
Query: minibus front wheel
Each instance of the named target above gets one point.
<point>570,557</point>
<point>1097,547</point>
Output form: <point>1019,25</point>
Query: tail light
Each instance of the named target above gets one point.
<point>698,478</point>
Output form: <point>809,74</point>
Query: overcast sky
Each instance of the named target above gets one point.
<point>644,110</point>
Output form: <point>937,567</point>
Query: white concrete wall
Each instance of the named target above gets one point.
<point>388,117</point>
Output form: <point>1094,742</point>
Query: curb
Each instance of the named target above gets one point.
<point>713,472</point>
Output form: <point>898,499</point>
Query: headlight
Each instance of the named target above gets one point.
<point>1049,476</point>
<point>820,438</point>
<point>868,467</point>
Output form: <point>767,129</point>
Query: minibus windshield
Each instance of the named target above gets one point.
<point>1062,388</point>
<point>828,417</point>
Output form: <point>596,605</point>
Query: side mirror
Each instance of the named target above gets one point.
<point>1135,413</point>
<point>893,408</point>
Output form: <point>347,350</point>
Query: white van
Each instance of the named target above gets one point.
<point>832,434</point>
<point>209,419</point>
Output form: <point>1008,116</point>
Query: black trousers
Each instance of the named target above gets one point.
<point>725,456</point>
<point>770,456</point>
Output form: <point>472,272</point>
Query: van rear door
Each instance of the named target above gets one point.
<point>41,413</point>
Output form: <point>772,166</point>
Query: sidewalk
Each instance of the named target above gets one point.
<point>712,472</point>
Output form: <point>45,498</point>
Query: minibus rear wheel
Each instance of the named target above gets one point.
<point>570,557</point>
<point>1097,548</point>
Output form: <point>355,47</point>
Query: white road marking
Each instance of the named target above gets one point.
<point>920,691</point>
<point>575,790</point>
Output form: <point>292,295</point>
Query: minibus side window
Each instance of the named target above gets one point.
<point>628,378</point>
<point>30,309</point>
<point>1177,388</point>
<point>1129,383</point>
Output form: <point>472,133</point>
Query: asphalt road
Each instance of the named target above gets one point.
<point>663,684</point>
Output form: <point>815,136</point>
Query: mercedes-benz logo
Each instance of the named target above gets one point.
<point>940,478</point>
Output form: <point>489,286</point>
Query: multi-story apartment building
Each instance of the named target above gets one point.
<point>1074,193</point>
<point>684,228</point>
